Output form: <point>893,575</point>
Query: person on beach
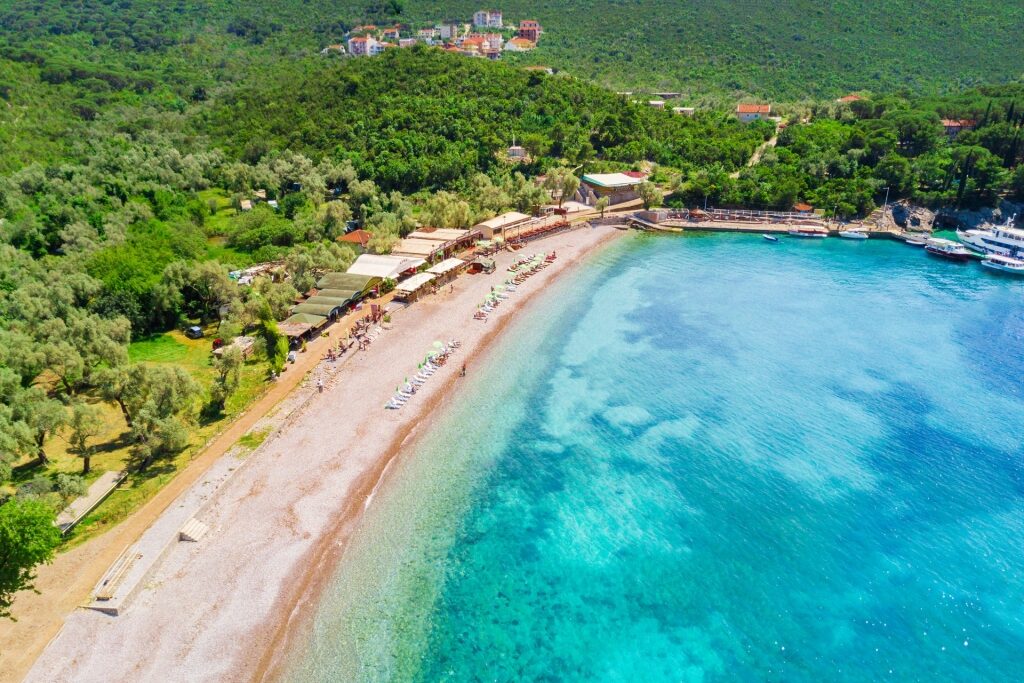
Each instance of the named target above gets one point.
<point>462,373</point>
<point>320,385</point>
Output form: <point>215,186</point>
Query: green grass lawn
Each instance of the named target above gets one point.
<point>113,445</point>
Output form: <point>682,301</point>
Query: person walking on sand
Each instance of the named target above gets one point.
<point>320,384</point>
<point>462,373</point>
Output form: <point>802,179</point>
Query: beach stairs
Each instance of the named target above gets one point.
<point>111,582</point>
<point>193,531</point>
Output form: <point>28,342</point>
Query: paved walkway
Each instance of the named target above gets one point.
<point>80,507</point>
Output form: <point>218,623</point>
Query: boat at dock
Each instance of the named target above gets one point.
<point>853,234</point>
<point>808,232</point>
<point>1001,240</point>
<point>1004,264</point>
<point>916,239</point>
<point>948,249</point>
<point>770,238</point>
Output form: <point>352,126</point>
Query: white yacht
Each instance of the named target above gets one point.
<point>1004,264</point>
<point>854,234</point>
<point>1001,240</point>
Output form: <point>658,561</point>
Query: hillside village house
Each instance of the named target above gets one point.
<point>392,33</point>
<point>520,45</point>
<point>753,112</point>
<point>683,111</point>
<point>448,31</point>
<point>530,30</point>
<point>363,46</point>
<point>487,18</point>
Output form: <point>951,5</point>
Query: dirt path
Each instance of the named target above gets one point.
<point>68,582</point>
<point>755,158</point>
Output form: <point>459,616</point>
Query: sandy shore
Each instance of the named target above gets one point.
<point>212,610</point>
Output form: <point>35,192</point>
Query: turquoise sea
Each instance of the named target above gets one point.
<point>710,458</point>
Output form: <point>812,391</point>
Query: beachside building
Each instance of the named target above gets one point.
<point>753,112</point>
<point>617,187</point>
<point>500,225</point>
<point>954,127</point>
<point>530,29</point>
<point>357,238</point>
<point>363,46</point>
<point>490,18</point>
<point>385,267</point>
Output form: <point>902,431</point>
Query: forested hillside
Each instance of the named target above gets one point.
<point>784,50</point>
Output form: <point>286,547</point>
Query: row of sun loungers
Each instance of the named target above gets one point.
<point>434,362</point>
<point>523,269</point>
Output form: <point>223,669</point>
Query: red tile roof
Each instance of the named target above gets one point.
<point>803,208</point>
<point>850,98</point>
<point>360,237</point>
<point>753,109</point>
<point>635,174</point>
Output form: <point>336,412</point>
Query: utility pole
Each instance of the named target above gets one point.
<point>885,205</point>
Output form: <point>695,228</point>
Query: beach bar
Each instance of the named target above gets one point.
<point>447,270</point>
<point>411,288</point>
<point>497,226</point>
<point>384,267</point>
<point>617,187</point>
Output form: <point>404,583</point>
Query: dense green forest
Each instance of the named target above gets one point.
<point>131,133</point>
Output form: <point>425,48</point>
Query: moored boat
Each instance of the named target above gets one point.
<point>770,238</point>
<point>1004,264</point>
<point>853,234</point>
<point>916,239</point>
<point>1002,240</point>
<point>947,249</point>
<point>808,232</point>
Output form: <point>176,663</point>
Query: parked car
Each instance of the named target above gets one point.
<point>194,332</point>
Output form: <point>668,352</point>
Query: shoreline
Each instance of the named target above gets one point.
<point>272,607</point>
<point>331,549</point>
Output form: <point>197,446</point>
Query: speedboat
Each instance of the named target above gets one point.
<point>1004,264</point>
<point>808,232</point>
<point>853,234</point>
<point>1002,240</point>
<point>947,249</point>
<point>770,238</point>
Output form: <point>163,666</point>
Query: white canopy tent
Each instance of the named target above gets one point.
<point>389,267</point>
<point>414,283</point>
<point>446,266</point>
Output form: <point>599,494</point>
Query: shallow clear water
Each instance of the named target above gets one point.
<point>711,458</point>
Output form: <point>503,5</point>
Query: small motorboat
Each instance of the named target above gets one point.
<point>916,239</point>
<point>808,232</point>
<point>770,238</point>
<point>1004,264</point>
<point>948,249</point>
<point>853,234</point>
